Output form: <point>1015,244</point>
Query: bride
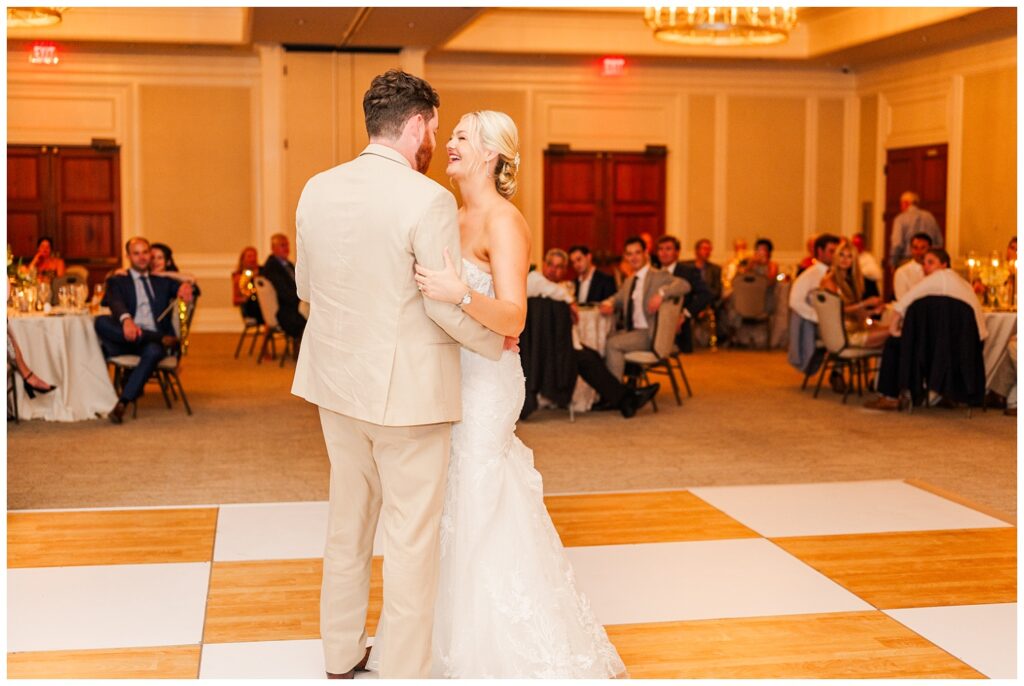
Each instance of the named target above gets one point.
<point>507,603</point>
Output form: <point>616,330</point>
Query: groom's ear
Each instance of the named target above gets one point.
<point>415,128</point>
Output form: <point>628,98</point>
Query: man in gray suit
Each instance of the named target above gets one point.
<point>636,304</point>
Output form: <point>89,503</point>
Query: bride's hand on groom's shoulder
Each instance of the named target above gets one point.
<point>443,284</point>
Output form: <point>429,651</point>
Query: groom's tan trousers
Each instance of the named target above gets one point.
<point>397,472</point>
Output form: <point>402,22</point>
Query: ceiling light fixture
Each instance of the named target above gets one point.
<point>33,17</point>
<point>721,25</point>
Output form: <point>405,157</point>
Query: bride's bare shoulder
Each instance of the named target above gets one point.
<point>505,218</point>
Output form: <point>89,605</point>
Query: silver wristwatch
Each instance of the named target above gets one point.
<point>467,298</point>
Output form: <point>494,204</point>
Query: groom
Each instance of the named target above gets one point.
<point>382,364</point>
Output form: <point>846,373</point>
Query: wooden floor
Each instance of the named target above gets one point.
<point>277,600</point>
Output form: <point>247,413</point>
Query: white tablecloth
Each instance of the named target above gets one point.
<point>1000,326</point>
<point>65,351</point>
<point>591,330</point>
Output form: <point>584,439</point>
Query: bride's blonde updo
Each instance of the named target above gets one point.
<point>497,132</point>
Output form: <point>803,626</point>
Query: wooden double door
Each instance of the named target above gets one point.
<point>599,199</point>
<point>71,194</point>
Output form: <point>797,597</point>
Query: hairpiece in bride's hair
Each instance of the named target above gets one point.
<point>515,161</point>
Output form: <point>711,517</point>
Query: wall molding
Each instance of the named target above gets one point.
<point>120,77</point>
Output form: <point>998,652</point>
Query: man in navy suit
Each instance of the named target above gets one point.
<point>280,272</point>
<point>696,300</point>
<point>592,286</point>
<point>140,321</point>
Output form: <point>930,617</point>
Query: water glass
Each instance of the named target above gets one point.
<point>63,296</point>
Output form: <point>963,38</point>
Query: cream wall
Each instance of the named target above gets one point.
<point>215,150</point>
<point>967,99</point>
<point>988,206</point>
<point>188,130</point>
<point>742,159</point>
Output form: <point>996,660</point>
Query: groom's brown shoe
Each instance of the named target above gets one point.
<point>351,674</point>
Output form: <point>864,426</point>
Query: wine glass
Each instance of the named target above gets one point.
<point>63,296</point>
<point>81,295</point>
<point>45,292</point>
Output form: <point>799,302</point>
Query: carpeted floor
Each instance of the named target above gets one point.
<point>748,423</point>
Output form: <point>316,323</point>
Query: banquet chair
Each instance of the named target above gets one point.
<point>750,302</point>
<point>839,354</point>
<point>658,360</point>
<point>79,271</point>
<point>940,352</point>
<point>267,298</point>
<point>249,325</point>
<point>677,358</point>
<point>167,369</point>
<point>166,372</point>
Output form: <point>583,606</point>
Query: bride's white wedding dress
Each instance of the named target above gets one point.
<point>507,603</point>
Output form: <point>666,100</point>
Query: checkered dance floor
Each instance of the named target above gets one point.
<point>855,579</point>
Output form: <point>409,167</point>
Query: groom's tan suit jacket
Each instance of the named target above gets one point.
<point>374,348</point>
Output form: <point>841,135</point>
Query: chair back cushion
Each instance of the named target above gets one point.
<point>267,298</point>
<point>829,307</point>
<point>665,328</point>
<point>750,295</point>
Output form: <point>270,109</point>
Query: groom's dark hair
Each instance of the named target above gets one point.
<point>393,97</point>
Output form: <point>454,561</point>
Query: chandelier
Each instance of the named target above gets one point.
<point>33,17</point>
<point>721,25</point>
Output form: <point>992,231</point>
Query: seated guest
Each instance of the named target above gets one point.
<point>636,303</point>
<point>869,266</point>
<point>761,261</point>
<point>589,365</point>
<point>710,272</point>
<point>844,279</point>
<point>939,280</point>
<point>139,322</point>
<point>740,254</point>
<point>243,294</point>
<point>592,285</point>
<point>162,263</point>
<point>911,272</point>
<point>547,283</point>
<point>280,272</point>
<point>803,320</point>
<point>696,300</point>
<point>44,264</point>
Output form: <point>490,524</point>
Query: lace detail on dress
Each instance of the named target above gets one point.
<point>507,603</point>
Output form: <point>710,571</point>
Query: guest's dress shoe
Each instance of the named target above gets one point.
<point>884,403</point>
<point>31,390</point>
<point>635,399</point>
<point>117,414</point>
<point>603,406</point>
<point>351,674</point>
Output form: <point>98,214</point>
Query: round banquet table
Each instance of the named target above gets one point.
<point>63,350</point>
<point>1001,326</point>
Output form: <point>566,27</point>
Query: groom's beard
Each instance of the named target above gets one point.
<point>423,156</point>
